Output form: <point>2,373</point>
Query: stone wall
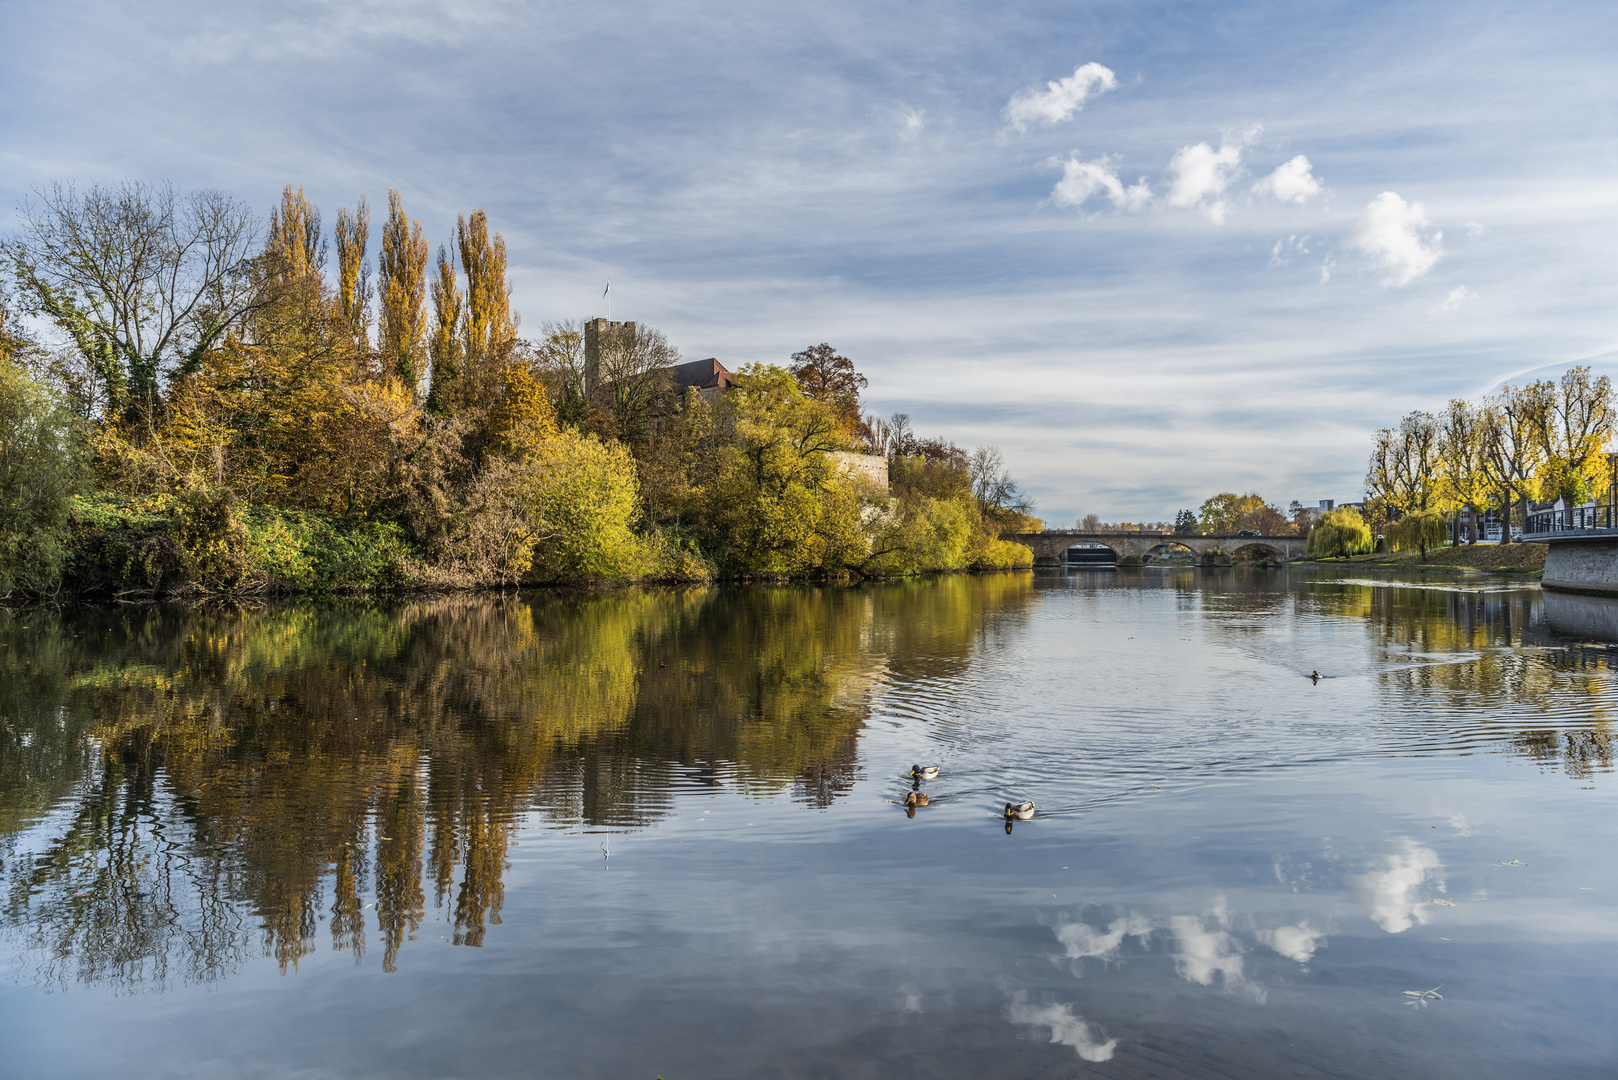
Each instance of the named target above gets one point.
<point>1582,565</point>
<point>870,469</point>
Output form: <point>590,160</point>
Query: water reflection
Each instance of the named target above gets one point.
<point>1391,892</point>
<point>209,785</point>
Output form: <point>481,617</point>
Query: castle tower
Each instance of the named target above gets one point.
<point>600,334</point>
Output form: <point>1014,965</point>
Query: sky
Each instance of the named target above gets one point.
<point>1153,251</point>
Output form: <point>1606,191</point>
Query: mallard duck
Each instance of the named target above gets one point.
<point>917,798</point>
<point>1022,811</point>
<point>924,772</point>
<point>1315,675</point>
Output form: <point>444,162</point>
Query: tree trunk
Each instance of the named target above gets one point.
<point>1505,517</point>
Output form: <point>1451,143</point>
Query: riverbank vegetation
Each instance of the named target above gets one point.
<point>1433,477</point>
<point>207,407</point>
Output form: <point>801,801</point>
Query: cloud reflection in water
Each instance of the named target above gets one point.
<point>1088,1040</point>
<point>1390,892</point>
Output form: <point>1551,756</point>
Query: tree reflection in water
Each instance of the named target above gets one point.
<point>181,790</point>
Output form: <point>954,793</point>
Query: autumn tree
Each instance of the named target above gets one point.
<point>1511,428</point>
<point>352,233</point>
<point>1576,426</point>
<point>1463,479</point>
<point>828,376</point>
<point>41,467</point>
<point>402,285</point>
<point>447,347</point>
<point>141,280</point>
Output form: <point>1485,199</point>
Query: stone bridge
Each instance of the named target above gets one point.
<point>1134,547</point>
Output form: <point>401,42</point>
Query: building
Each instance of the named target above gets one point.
<point>708,377</point>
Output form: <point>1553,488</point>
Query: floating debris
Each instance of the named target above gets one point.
<point>1444,903</point>
<point>1513,862</point>
<point>1420,998</point>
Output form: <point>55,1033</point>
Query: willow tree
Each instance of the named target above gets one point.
<point>353,233</point>
<point>402,287</point>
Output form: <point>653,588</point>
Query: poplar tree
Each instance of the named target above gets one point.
<point>448,351</point>
<point>353,232</point>
<point>488,327</point>
<point>402,284</point>
<point>295,246</point>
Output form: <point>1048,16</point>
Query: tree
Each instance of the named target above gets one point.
<point>633,379</point>
<point>142,280</point>
<point>489,327</point>
<point>41,466</point>
<point>447,347</point>
<point>1339,532</point>
<point>1403,475</point>
<point>1576,426</point>
<point>1463,481</point>
<point>1185,523</point>
<point>402,287</point>
<point>1228,512</point>
<point>1510,428</point>
<point>295,249</point>
<point>826,375</point>
<point>999,496</point>
<point>1423,530</point>
<point>352,232</point>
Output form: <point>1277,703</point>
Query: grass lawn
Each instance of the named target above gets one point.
<point>1497,558</point>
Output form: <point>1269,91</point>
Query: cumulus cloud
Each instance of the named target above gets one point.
<point>1088,1040</point>
<point>1061,98</point>
<point>1475,230</point>
<point>1201,174</point>
<point>1082,179</point>
<point>1292,182</point>
<point>1392,233</point>
<point>914,121</point>
<point>1458,298</point>
<point>1390,893</point>
<point>1297,943</point>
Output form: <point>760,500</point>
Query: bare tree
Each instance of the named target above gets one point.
<point>143,280</point>
<point>993,485</point>
<point>633,376</point>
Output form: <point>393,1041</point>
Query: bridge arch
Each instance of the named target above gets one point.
<point>1170,547</point>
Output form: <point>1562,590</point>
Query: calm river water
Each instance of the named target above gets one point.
<point>661,833</point>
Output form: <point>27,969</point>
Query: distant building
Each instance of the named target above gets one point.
<point>708,377</point>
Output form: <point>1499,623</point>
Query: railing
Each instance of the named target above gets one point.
<point>1573,519</point>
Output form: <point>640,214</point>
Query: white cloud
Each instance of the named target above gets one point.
<point>1206,950</point>
<point>1201,174</point>
<point>1475,230</point>
<point>1327,265</point>
<point>1391,232</point>
<point>1390,892</point>
<point>1061,98</point>
<point>1297,943</point>
<point>915,121</point>
<point>1288,248</point>
<point>1292,182</point>
<point>1458,298</point>
<point>1082,179</point>
<point>1088,1040</point>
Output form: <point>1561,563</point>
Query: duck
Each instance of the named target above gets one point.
<point>924,772</point>
<point>917,798</point>
<point>1316,676</point>
<point>1022,811</point>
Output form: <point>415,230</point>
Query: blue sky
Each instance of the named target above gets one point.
<point>906,182</point>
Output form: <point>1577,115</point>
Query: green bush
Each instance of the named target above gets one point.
<point>300,551</point>
<point>1340,532</point>
<point>1004,555</point>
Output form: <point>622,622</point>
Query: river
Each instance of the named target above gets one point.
<point>662,833</point>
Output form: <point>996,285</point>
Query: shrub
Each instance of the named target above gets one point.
<point>1004,555</point>
<point>584,499</point>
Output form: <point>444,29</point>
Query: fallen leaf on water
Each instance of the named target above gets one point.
<point>1444,903</point>
<point>1420,998</point>
<point>1513,862</point>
